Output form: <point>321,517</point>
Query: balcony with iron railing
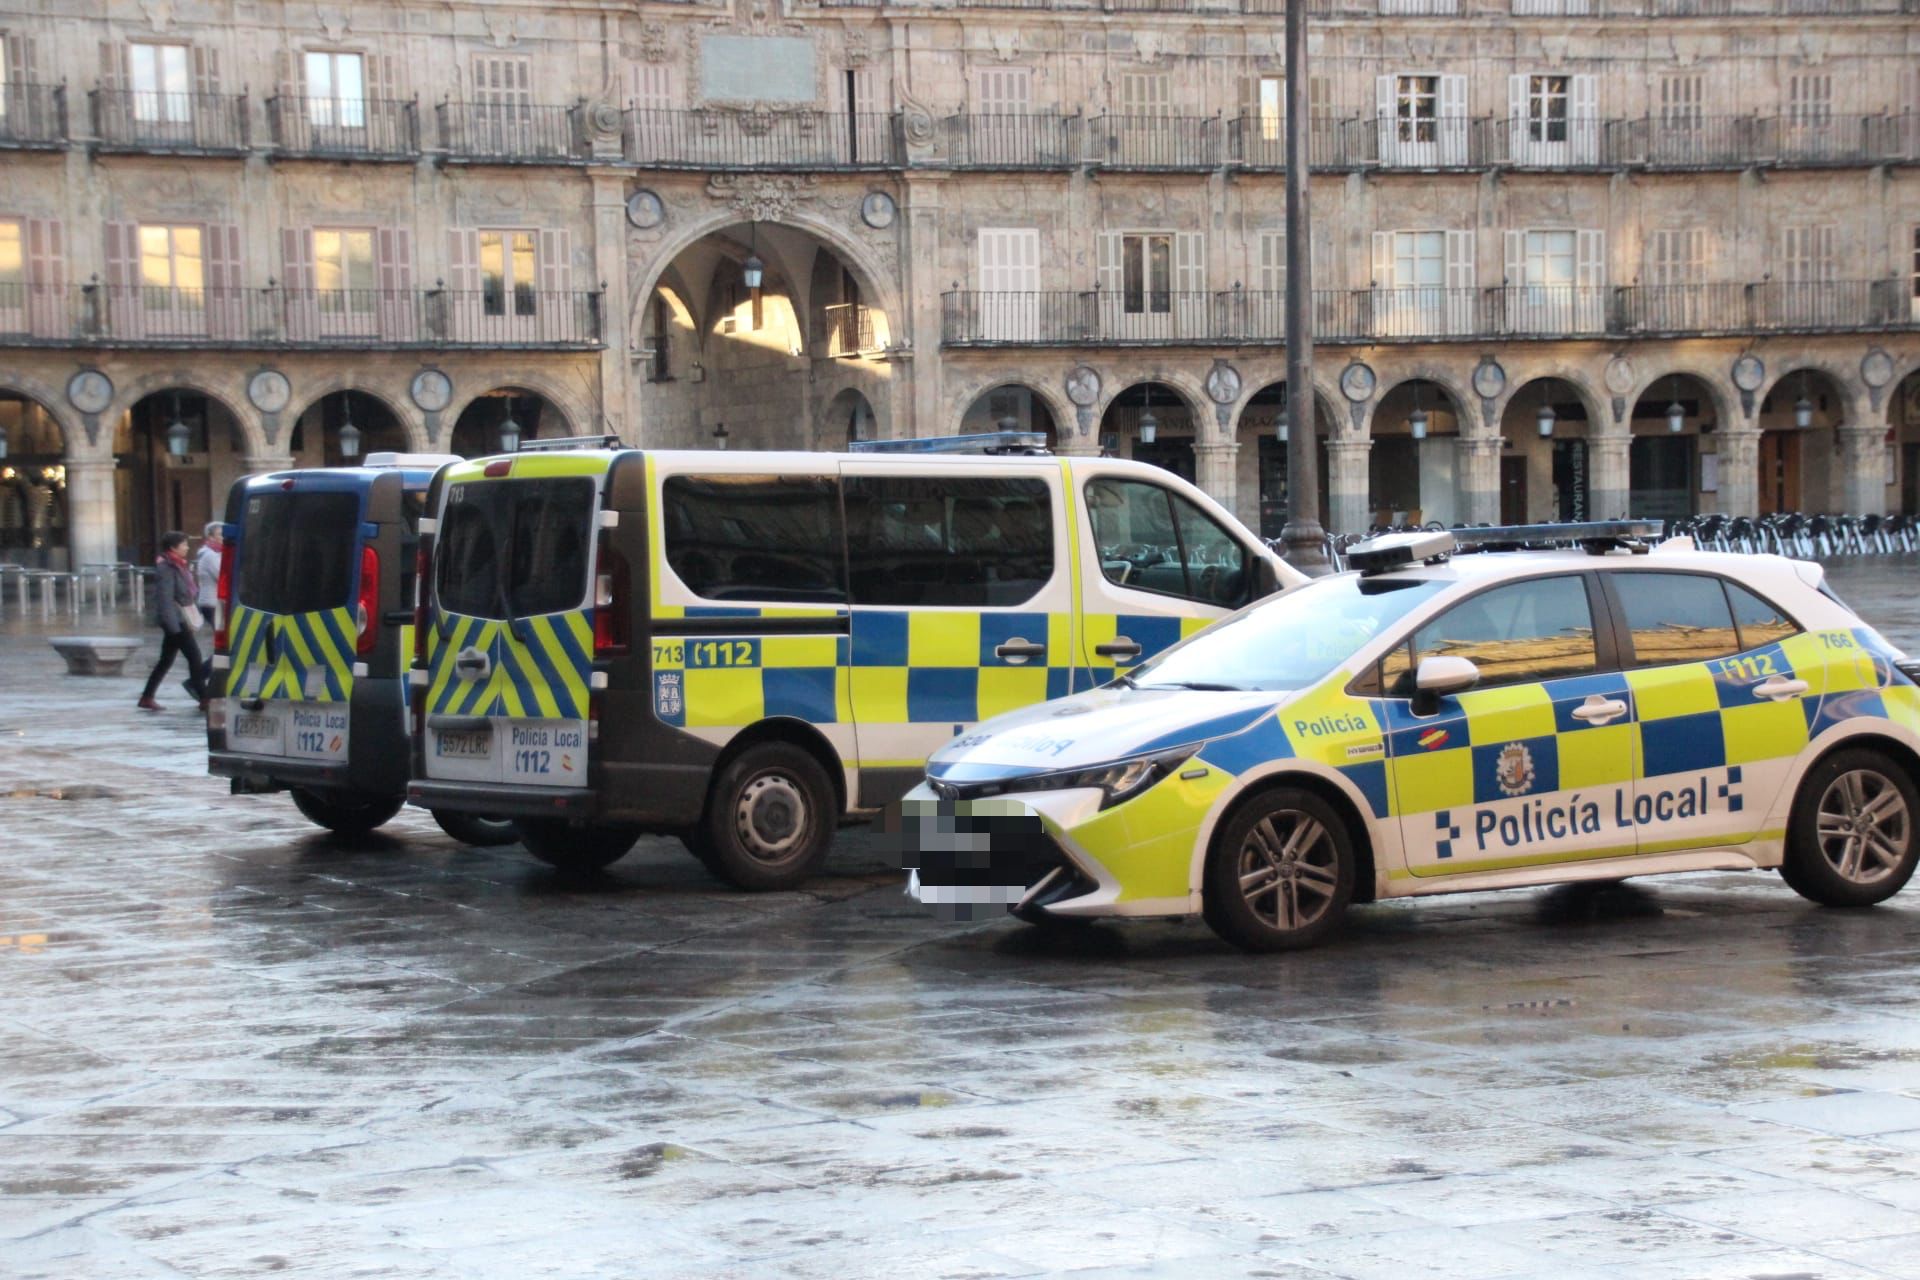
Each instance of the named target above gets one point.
<point>137,120</point>
<point>1345,316</point>
<point>278,317</point>
<point>510,133</point>
<point>1365,9</point>
<point>762,139</point>
<point>345,128</point>
<point>1153,142</point>
<point>851,329</point>
<point>1014,141</point>
<point>33,117</point>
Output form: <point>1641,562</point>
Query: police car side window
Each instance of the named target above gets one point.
<point>961,541</point>
<point>1152,539</point>
<point>1760,623</point>
<point>1675,617</point>
<point>755,537</point>
<point>1539,629</point>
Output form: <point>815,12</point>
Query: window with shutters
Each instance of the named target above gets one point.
<point>1550,259</point>
<point>1424,282</point>
<point>1546,108</point>
<point>161,82</point>
<point>1419,260</point>
<point>1003,91</point>
<point>1416,102</point>
<point>503,94</point>
<point>343,276</point>
<point>1676,256</point>
<point>13,276</point>
<point>1146,274</point>
<point>653,86</point>
<point>1010,301</point>
<point>336,90</point>
<point>1146,93</point>
<point>1810,100</point>
<point>172,277</point>
<point>1273,261</point>
<point>1269,107</point>
<point>1808,253</point>
<point>507,273</point>
<point>1682,99</point>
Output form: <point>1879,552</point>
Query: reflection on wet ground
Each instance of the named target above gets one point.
<point>234,1047</point>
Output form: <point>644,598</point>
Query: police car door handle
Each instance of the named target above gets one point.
<point>1599,710</point>
<point>1017,651</point>
<point>1120,648</point>
<point>1777,688</point>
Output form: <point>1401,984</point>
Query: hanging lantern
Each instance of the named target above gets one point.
<point>1149,425</point>
<point>1676,418</point>
<point>1803,412</point>
<point>1544,420</point>
<point>1418,422</point>
<point>179,434</point>
<point>349,434</point>
<point>509,431</point>
<point>753,271</point>
<point>1280,427</point>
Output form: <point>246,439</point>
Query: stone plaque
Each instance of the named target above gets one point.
<point>756,68</point>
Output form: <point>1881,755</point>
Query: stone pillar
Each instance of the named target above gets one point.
<point>93,534</point>
<point>1863,474</point>
<point>1347,485</point>
<point>919,326</point>
<point>619,400</point>
<point>1215,465</point>
<point>1480,479</point>
<point>1607,476</point>
<point>259,464</point>
<point>1739,453</point>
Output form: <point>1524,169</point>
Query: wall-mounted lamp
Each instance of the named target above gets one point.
<point>1803,407</point>
<point>1418,421</point>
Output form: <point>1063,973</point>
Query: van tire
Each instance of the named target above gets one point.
<point>480,830</point>
<point>345,813</point>
<point>559,843</point>
<point>1832,860</point>
<point>770,818</point>
<point>1306,851</point>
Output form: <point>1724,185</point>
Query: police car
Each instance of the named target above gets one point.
<point>1457,712</point>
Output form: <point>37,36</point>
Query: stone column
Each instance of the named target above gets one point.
<point>1347,485</point>
<point>1607,476</point>
<point>93,535</point>
<point>1863,477</point>
<point>1739,453</point>
<point>1215,465</point>
<point>618,387</point>
<point>1480,479</point>
<point>919,326</point>
<point>259,464</point>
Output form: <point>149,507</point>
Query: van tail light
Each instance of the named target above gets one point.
<point>612,616</point>
<point>421,563</point>
<point>224,593</point>
<point>369,601</point>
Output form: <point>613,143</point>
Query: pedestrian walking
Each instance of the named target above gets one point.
<point>175,613</point>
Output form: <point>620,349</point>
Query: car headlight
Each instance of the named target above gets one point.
<point>1117,782</point>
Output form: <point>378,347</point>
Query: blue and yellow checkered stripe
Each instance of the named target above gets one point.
<point>540,668</point>
<point>298,656</point>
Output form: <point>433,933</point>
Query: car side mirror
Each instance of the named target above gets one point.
<point>1441,675</point>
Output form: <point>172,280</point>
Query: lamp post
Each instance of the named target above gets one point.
<point>1303,536</point>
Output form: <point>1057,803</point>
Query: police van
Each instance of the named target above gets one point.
<point>313,640</point>
<point>1434,721</point>
<point>743,648</point>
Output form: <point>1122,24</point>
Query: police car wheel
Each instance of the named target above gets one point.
<point>558,843</point>
<point>769,818</point>
<point>1280,875</point>
<point>344,813</point>
<point>1852,841</point>
<point>476,829</point>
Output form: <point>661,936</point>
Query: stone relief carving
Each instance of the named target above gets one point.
<point>159,13</point>
<point>503,29</point>
<point>1005,42</point>
<point>858,51</point>
<point>333,22</point>
<point>761,197</point>
<point>654,46</point>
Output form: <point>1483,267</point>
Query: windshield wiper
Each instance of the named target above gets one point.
<point>1203,686</point>
<point>1125,682</point>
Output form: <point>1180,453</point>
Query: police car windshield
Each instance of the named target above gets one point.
<point>1291,642</point>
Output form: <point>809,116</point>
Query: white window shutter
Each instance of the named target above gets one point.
<point>47,309</point>
<point>1382,260</point>
<point>206,70</point>
<point>1583,106</point>
<point>1590,273</point>
<point>1453,120</point>
<point>1517,149</point>
<point>1192,306</point>
<point>1109,280</point>
<point>1516,264</point>
<point>1386,124</point>
<point>1460,282</point>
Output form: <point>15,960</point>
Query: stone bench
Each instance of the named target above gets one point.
<point>94,655</point>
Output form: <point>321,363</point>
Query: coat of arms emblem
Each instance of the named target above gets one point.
<point>1514,769</point>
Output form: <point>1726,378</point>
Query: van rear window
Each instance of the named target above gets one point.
<point>755,537</point>
<point>515,548</point>
<point>298,551</point>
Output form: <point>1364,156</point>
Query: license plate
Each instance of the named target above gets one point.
<point>255,732</point>
<point>546,752</point>
<point>464,744</point>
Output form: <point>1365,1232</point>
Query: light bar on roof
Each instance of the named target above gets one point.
<point>1014,442</point>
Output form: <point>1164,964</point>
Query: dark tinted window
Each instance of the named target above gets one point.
<point>755,537</point>
<point>1536,630</point>
<point>1675,617</point>
<point>1759,622</point>
<point>299,551</point>
<point>515,547</point>
<point>914,540</point>
<point>1152,539</point>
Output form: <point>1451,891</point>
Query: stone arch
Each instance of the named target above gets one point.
<point>876,282</point>
<point>1464,402</point>
<point>1599,414</point>
<point>1198,405</point>
<point>412,428</point>
<point>842,400</point>
<point>1849,391</point>
<point>232,399</point>
<point>1328,403</point>
<point>1726,404</point>
<point>73,440</point>
<point>577,417</point>
<point>1065,422</point>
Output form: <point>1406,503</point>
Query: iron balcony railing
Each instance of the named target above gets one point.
<point>994,141</point>
<point>849,328</point>
<point>710,139</point>
<point>275,316</point>
<point>1260,142</point>
<point>33,115</point>
<point>1710,142</point>
<point>1156,142</point>
<point>510,133</point>
<point>1245,316</point>
<point>185,123</point>
<point>353,128</point>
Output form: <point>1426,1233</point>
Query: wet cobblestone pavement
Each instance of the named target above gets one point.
<point>233,1046</point>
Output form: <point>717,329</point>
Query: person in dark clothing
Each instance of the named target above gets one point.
<point>173,599</point>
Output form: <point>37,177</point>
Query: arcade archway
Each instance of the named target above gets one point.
<point>1260,486</point>
<point>33,485</point>
<point>499,421</point>
<point>1545,468</point>
<point>1010,407</point>
<point>1151,422</point>
<point>1413,468</point>
<point>1672,467</point>
<point>1798,469</point>
<point>176,452</point>
<point>342,427</point>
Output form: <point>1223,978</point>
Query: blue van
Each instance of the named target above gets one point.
<point>313,640</point>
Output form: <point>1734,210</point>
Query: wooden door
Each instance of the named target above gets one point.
<point>1513,490</point>
<point>1779,472</point>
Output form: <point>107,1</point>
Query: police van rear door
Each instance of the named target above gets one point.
<point>294,625</point>
<point>960,587</point>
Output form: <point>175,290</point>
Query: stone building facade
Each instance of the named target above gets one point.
<point>1570,257</point>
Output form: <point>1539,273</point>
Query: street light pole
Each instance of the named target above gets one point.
<point>1303,536</point>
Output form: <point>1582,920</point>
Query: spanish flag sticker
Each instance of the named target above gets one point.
<point>1433,738</point>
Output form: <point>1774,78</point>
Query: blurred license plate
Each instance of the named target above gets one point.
<point>464,744</point>
<point>256,732</point>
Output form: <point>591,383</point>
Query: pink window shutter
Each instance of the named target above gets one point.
<point>557,318</point>
<point>226,292</point>
<point>463,282</point>
<point>394,248</point>
<point>48,304</point>
<point>296,259</point>
<point>125,315</point>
